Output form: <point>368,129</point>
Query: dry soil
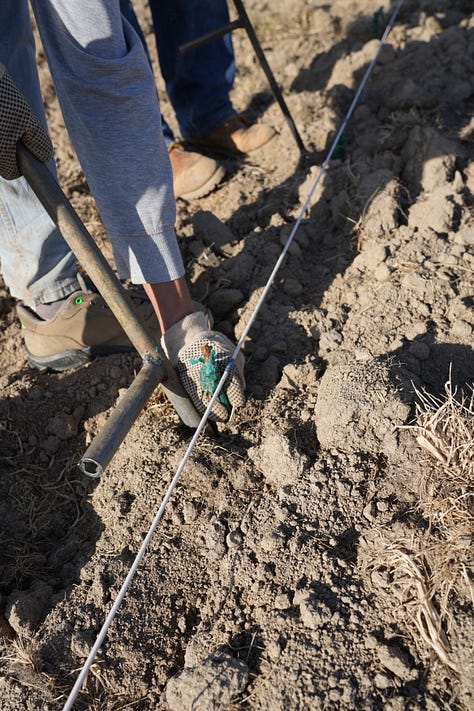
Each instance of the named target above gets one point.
<point>292,568</point>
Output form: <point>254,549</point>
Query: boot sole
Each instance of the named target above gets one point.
<point>68,360</point>
<point>206,188</point>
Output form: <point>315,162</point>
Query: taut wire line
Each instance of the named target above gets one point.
<point>121,594</point>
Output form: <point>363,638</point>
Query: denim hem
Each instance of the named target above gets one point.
<point>209,124</point>
<point>62,289</point>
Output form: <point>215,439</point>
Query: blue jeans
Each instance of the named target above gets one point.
<point>198,82</point>
<point>37,264</point>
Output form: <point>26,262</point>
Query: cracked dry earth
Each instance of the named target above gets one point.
<point>294,566</point>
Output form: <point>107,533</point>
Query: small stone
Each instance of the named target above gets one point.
<point>283,601</point>
<point>465,235</point>
<point>396,661</point>
<point>292,287</point>
<point>289,378</point>
<point>260,353</point>
<point>398,703</point>
<point>189,511</point>
<point>330,340</point>
<point>273,650</point>
<point>24,609</point>
<point>271,541</point>
<point>419,350</point>
<point>235,538</point>
<point>300,596</point>
<point>371,642</point>
<point>209,686</point>
<point>382,273</point>
<point>369,511</point>
<point>363,355</point>
<point>379,579</point>
<point>224,300</point>
<point>373,256</point>
<point>395,344</point>
<point>211,230</point>
<point>462,330</point>
<point>314,614</point>
<point>382,681</point>
<point>415,329</point>
<point>414,282</point>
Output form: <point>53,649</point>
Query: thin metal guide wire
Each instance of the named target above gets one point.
<point>122,592</point>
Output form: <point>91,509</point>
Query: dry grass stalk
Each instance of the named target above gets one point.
<point>411,573</point>
<point>19,652</point>
<point>445,429</point>
<point>161,406</point>
<point>412,583</point>
<point>98,691</point>
<point>435,565</point>
<point>19,661</point>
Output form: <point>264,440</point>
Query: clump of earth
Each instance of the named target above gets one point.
<point>259,589</point>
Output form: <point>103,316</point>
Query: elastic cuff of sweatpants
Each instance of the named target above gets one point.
<point>148,259</point>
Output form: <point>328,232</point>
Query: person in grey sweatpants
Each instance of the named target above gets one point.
<point>107,95</point>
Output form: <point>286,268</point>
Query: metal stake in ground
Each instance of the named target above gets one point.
<point>243,21</point>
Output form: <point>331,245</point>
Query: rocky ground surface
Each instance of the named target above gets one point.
<point>303,561</point>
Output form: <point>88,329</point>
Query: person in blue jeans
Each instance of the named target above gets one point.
<point>108,98</point>
<point>198,82</point>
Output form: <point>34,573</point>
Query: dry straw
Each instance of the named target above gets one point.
<point>431,572</point>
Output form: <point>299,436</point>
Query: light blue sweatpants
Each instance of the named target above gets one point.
<point>108,98</point>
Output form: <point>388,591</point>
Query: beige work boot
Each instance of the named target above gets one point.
<point>237,136</point>
<point>83,328</point>
<point>194,175</point>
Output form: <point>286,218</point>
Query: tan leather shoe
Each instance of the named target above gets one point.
<point>84,328</point>
<point>236,136</point>
<point>194,175</point>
